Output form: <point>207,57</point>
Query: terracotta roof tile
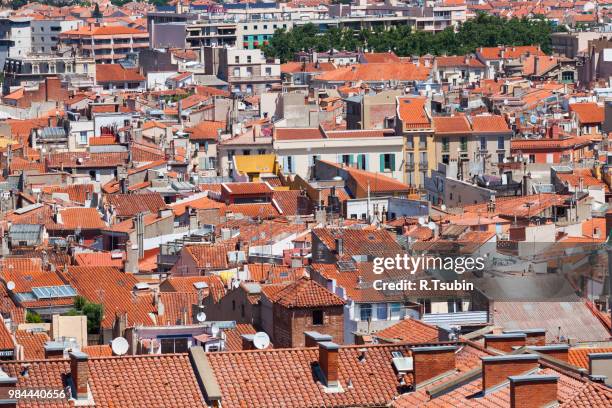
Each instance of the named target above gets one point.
<point>206,130</point>
<point>411,111</point>
<point>377,72</point>
<point>306,293</point>
<point>489,123</point>
<point>116,73</point>
<point>129,205</point>
<point>451,124</point>
<point>410,331</point>
<point>185,284</point>
<point>588,112</point>
<point>33,343</point>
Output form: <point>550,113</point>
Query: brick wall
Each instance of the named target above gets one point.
<point>496,372</point>
<point>532,395</point>
<point>432,363</point>
<point>290,324</point>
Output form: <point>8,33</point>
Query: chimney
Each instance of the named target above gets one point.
<point>505,342</point>
<point>558,351</point>
<point>431,363</point>
<point>535,337</point>
<point>328,361</point>
<point>53,350</point>
<point>6,384</point>
<point>247,341</point>
<point>313,338</point>
<point>131,258</point>
<point>497,369</point>
<point>533,391</point>
<point>600,365</point>
<point>536,63</point>
<point>339,246</point>
<point>79,371</point>
<point>57,217</point>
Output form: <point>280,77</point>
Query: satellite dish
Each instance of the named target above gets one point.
<point>235,284</point>
<point>120,346</point>
<point>431,225</point>
<point>421,220</point>
<point>261,340</point>
<point>201,317</point>
<point>214,330</point>
<point>10,285</point>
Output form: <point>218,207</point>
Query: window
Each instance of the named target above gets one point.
<point>483,143</point>
<point>445,144</point>
<point>381,311</point>
<point>248,59</point>
<point>83,137</point>
<point>501,142</point>
<point>246,152</point>
<point>230,154</point>
<point>233,305</point>
<point>289,164</point>
<point>422,142</point>
<point>426,303</point>
<point>532,158</point>
<point>237,59</point>
<point>365,312</point>
<point>249,71</point>
<point>362,162</point>
<point>567,76</point>
<point>387,162</point>
<point>396,311</point>
<point>317,317</point>
<point>265,26</point>
<point>445,158</point>
<point>261,151</point>
<point>463,144</point>
<point>500,157</point>
<point>347,159</point>
<point>268,71</point>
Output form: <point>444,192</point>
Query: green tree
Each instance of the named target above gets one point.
<point>96,13</point>
<point>93,311</point>
<point>33,317</point>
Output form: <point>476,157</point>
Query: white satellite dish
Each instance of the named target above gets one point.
<point>10,285</point>
<point>235,284</point>
<point>214,330</point>
<point>261,340</point>
<point>120,346</point>
<point>421,220</point>
<point>201,317</point>
<point>431,225</point>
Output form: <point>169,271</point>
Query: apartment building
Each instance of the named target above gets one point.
<point>15,37</point>
<point>378,151</point>
<point>246,71</point>
<point>413,121</point>
<point>107,44</point>
<point>45,33</point>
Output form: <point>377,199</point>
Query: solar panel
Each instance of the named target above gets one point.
<point>52,292</point>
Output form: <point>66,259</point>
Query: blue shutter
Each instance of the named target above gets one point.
<point>285,164</point>
<point>393,162</point>
<point>367,161</point>
<point>382,163</point>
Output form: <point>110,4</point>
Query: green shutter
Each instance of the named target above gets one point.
<point>393,162</point>
<point>382,163</point>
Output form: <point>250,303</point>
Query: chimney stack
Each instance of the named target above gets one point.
<point>600,365</point>
<point>6,384</point>
<point>497,369</point>
<point>79,371</point>
<point>328,361</point>
<point>505,342</point>
<point>534,337</point>
<point>339,246</point>
<point>53,350</point>
<point>431,363</point>
<point>558,351</point>
<point>313,338</point>
<point>533,391</point>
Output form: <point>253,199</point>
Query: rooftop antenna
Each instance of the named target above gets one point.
<point>120,346</point>
<point>261,340</point>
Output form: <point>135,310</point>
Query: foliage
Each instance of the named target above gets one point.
<point>482,31</point>
<point>33,317</point>
<point>96,13</point>
<point>93,311</point>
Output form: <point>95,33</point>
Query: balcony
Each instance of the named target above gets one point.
<point>254,78</point>
<point>423,166</point>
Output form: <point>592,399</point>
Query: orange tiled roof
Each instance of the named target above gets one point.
<point>411,111</point>
<point>377,72</point>
<point>489,124</point>
<point>306,293</point>
<point>206,130</point>
<point>588,112</point>
<point>33,343</point>
<point>409,330</point>
<point>185,284</point>
<point>116,73</point>
<point>451,124</point>
<point>129,205</point>
<point>102,31</point>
